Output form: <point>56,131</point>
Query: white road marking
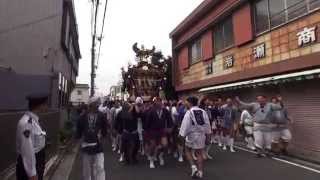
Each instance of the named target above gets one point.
<point>244,149</point>
<point>298,165</point>
<point>283,161</point>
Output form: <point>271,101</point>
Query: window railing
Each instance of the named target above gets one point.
<point>293,12</point>
<point>288,14</point>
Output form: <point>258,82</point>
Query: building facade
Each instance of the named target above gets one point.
<point>116,92</point>
<point>80,94</point>
<point>245,48</point>
<point>39,51</point>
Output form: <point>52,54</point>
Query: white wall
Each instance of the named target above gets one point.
<point>75,98</point>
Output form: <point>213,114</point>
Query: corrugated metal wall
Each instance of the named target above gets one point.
<point>303,102</point>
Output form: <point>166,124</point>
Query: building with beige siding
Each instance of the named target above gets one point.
<point>244,48</point>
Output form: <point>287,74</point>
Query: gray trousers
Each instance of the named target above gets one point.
<point>93,166</point>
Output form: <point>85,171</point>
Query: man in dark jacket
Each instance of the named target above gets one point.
<point>158,124</point>
<point>91,128</point>
<point>126,124</point>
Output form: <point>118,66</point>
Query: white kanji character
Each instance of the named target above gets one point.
<point>259,51</point>
<point>306,36</point>
<point>229,61</point>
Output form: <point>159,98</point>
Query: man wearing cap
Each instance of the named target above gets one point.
<point>91,128</point>
<point>196,131</point>
<point>31,140</point>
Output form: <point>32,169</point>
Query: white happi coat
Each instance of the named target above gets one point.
<point>194,127</point>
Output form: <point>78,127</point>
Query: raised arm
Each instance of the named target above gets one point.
<point>243,116</point>
<point>276,107</point>
<point>102,109</point>
<point>243,104</point>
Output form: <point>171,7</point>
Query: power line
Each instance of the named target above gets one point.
<point>103,22</point>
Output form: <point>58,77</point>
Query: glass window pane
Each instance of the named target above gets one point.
<point>209,68</point>
<point>228,33</point>
<point>193,52</point>
<point>314,4</point>
<point>261,16</point>
<point>277,12</point>
<point>199,49</point>
<point>296,8</point>
<point>196,51</point>
<point>218,38</point>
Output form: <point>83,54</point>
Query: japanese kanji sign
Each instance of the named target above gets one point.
<point>307,35</point>
<point>228,61</point>
<point>259,51</point>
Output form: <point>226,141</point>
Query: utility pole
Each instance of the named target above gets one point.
<point>93,50</point>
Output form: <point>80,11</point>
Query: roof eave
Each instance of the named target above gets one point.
<point>202,9</point>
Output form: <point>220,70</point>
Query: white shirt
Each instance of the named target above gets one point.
<point>118,110</point>
<point>105,110</point>
<point>195,120</point>
<point>30,139</point>
<point>174,113</point>
<point>246,118</point>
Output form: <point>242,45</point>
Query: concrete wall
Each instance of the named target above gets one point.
<point>29,30</point>
<point>30,37</point>
<point>13,93</point>
<point>30,40</point>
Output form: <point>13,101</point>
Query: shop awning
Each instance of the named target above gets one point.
<point>309,74</point>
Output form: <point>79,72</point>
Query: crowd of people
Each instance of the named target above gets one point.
<point>185,129</point>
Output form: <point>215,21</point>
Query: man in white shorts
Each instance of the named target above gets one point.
<point>281,135</point>
<point>247,121</point>
<point>139,109</point>
<point>196,130</point>
<point>262,125</point>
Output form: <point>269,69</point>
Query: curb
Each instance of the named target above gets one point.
<point>65,165</point>
<point>288,160</point>
<point>51,164</point>
<point>9,174</point>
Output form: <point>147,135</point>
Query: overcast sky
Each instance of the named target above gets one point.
<point>147,22</point>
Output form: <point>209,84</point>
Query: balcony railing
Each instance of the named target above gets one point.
<point>294,11</point>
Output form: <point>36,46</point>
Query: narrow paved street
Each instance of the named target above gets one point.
<point>225,166</point>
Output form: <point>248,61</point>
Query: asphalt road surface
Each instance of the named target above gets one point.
<point>241,165</point>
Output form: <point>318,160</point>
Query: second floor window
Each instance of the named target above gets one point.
<point>195,51</point>
<point>273,13</point>
<point>209,68</point>
<point>223,35</point>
